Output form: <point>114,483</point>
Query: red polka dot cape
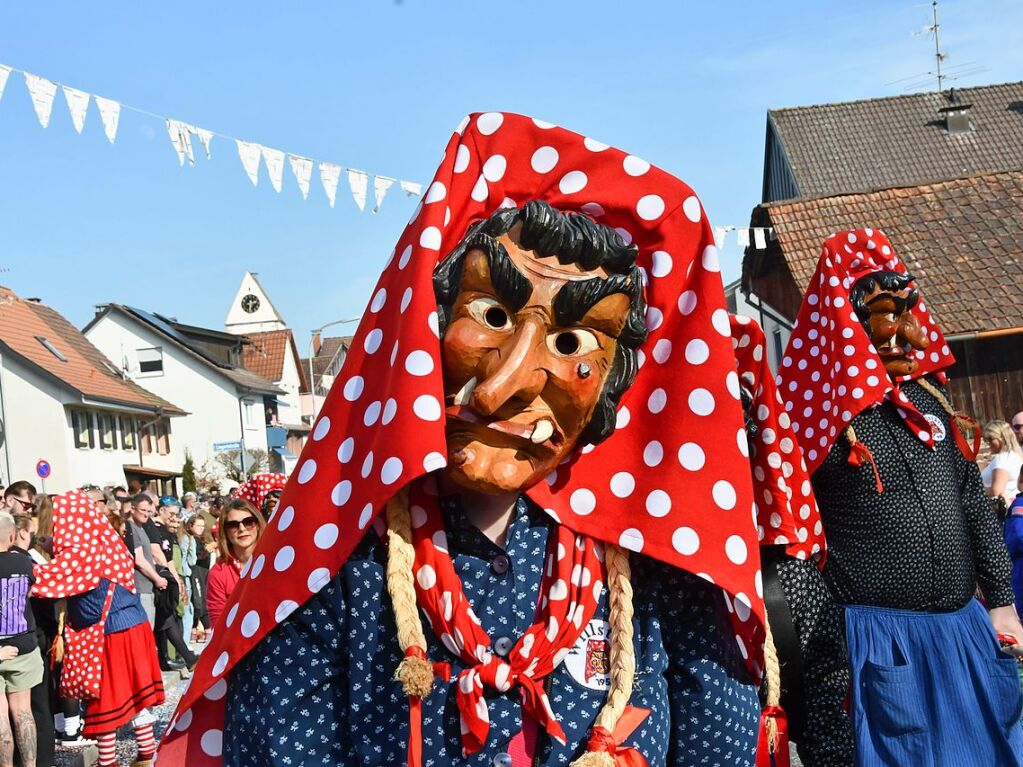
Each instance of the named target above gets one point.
<point>85,549</point>
<point>256,488</point>
<point>787,513</point>
<point>831,370</point>
<point>382,423</point>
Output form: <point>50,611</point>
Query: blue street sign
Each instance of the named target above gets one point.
<point>223,447</point>
<point>43,469</point>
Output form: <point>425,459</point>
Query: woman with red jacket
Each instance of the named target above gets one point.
<point>241,525</point>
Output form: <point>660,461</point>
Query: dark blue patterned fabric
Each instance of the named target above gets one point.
<point>320,689</point>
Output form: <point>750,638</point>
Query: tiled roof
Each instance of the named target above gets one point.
<point>85,370</point>
<point>265,355</point>
<point>329,349</point>
<point>73,336</point>
<point>962,239</point>
<point>172,331</point>
<point>862,146</point>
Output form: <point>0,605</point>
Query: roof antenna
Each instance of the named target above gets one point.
<point>939,56</point>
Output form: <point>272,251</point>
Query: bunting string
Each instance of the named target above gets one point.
<point>252,154</point>
<point>42,92</point>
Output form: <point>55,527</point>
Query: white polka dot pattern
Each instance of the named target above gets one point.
<point>650,208</point>
<point>831,371</point>
<point>786,510</point>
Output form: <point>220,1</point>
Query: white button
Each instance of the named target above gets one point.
<point>503,646</point>
<point>503,760</point>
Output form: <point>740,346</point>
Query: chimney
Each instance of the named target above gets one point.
<point>957,115</point>
<point>317,342</point>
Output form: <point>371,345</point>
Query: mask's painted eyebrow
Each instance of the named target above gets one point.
<point>576,298</point>
<point>511,285</point>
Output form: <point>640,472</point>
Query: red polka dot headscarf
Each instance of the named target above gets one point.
<point>672,482</point>
<point>787,513</point>
<point>85,549</point>
<point>831,370</point>
<point>257,488</point>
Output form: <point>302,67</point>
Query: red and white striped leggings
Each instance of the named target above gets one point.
<point>107,743</point>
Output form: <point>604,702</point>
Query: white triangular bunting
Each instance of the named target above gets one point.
<point>329,175</point>
<point>380,186</point>
<point>78,106</point>
<point>5,72</point>
<point>249,154</point>
<point>110,114</point>
<point>411,188</point>
<point>274,159</point>
<point>759,237</point>
<point>181,140</point>
<point>42,92</point>
<point>357,181</point>
<point>719,237</point>
<point>742,237</point>
<point>302,167</point>
<point>205,138</point>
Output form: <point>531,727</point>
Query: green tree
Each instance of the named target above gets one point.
<point>188,483</point>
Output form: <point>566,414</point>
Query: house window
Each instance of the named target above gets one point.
<point>81,424</point>
<point>162,429</point>
<point>151,361</point>
<point>128,438</point>
<point>148,438</point>
<point>249,407</point>
<point>105,427</point>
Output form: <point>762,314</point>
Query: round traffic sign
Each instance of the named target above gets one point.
<point>43,469</point>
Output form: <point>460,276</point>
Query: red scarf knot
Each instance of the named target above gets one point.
<point>498,675</point>
<point>773,754</point>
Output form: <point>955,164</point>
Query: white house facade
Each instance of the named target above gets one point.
<point>200,369</point>
<point>67,419</point>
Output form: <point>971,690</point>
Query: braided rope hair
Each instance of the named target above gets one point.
<point>415,672</point>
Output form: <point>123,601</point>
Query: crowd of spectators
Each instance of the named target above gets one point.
<point>186,554</point>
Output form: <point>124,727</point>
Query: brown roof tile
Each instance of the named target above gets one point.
<point>963,239</point>
<point>84,369</point>
<point>862,146</point>
<point>266,353</point>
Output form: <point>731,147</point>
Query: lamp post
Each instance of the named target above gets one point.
<point>312,338</point>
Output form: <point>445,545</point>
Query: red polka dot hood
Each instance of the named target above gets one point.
<point>257,488</point>
<point>787,513</point>
<point>831,371</point>
<point>85,549</point>
<point>672,482</point>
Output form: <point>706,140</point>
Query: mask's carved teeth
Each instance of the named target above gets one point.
<point>542,431</point>
<point>464,394</point>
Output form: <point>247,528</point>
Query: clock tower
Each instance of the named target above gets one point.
<point>251,311</point>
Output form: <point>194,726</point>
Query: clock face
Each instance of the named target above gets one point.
<point>250,304</point>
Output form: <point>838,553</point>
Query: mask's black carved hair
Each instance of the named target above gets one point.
<point>573,238</point>
<point>890,281</point>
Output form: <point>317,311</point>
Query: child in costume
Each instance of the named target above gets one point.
<point>92,568</point>
<point>567,567</point>
<point>910,533</point>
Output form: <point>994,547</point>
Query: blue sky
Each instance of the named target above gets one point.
<point>379,86</point>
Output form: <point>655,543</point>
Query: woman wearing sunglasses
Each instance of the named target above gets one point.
<point>241,524</point>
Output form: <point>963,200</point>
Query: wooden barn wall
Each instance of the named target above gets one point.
<point>987,379</point>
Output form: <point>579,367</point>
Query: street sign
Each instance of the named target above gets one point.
<point>224,447</point>
<point>43,469</point>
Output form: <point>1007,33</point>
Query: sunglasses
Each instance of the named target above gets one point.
<point>1017,426</point>
<point>233,525</point>
<point>25,505</point>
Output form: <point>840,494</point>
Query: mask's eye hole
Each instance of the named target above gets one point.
<point>489,313</point>
<point>571,343</point>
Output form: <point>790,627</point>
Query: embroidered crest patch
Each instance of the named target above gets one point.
<point>589,661</point>
<point>937,427</point>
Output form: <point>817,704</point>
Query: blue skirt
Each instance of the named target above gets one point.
<point>932,690</point>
